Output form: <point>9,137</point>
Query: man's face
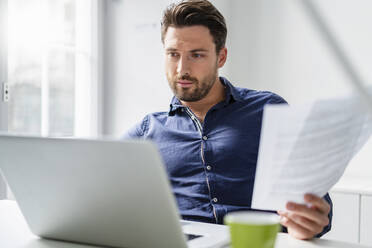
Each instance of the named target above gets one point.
<point>191,62</point>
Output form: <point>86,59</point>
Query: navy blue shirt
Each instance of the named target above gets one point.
<point>211,165</point>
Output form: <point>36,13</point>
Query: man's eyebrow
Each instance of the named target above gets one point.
<point>192,51</point>
<point>199,50</point>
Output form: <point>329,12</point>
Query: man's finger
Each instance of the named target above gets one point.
<point>318,202</point>
<point>296,230</point>
<point>302,221</point>
<point>305,211</point>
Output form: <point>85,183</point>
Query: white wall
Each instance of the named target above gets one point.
<point>272,45</point>
<point>133,63</point>
<point>276,47</point>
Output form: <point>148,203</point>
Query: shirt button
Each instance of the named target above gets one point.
<point>205,137</point>
<point>209,167</point>
<point>215,199</point>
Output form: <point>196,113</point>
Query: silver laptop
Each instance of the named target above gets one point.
<point>110,193</point>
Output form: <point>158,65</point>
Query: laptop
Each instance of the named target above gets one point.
<point>100,192</point>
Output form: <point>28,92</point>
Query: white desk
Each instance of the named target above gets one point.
<point>14,233</point>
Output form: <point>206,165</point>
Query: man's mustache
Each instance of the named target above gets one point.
<point>188,78</point>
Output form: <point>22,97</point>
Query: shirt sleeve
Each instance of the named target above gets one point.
<point>276,99</point>
<point>330,215</point>
<point>137,131</point>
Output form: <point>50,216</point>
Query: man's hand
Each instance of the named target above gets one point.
<point>305,221</point>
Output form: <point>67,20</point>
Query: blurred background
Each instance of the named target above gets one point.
<point>92,68</point>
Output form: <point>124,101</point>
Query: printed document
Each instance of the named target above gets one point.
<point>305,149</point>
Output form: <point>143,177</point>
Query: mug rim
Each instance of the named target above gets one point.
<point>252,218</point>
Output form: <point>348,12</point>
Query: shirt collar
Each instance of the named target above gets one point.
<point>231,92</point>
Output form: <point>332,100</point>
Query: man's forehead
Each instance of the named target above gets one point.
<point>188,38</point>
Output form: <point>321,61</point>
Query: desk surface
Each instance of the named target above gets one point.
<point>15,233</point>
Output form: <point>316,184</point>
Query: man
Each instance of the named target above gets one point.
<point>209,138</point>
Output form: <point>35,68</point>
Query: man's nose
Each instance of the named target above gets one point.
<point>183,66</point>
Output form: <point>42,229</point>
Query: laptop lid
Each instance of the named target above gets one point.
<point>113,193</point>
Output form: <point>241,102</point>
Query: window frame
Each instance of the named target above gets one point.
<point>3,79</point>
<point>3,64</point>
<point>89,97</point>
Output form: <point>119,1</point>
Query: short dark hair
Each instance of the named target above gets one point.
<point>196,12</point>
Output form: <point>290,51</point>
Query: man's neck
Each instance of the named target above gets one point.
<point>214,96</point>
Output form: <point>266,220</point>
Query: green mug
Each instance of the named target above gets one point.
<point>249,229</point>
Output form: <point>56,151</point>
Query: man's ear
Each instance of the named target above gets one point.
<point>222,56</point>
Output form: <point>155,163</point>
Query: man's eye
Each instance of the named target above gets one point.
<point>197,55</point>
<point>172,54</point>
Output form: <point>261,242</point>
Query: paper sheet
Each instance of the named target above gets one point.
<point>305,149</point>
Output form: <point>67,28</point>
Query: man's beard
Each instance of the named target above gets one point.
<point>198,90</point>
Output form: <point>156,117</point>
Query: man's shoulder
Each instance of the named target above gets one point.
<point>160,116</point>
<point>264,97</point>
<point>141,128</point>
<point>250,95</point>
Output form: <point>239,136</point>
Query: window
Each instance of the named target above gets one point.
<point>52,67</point>
<point>49,58</point>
